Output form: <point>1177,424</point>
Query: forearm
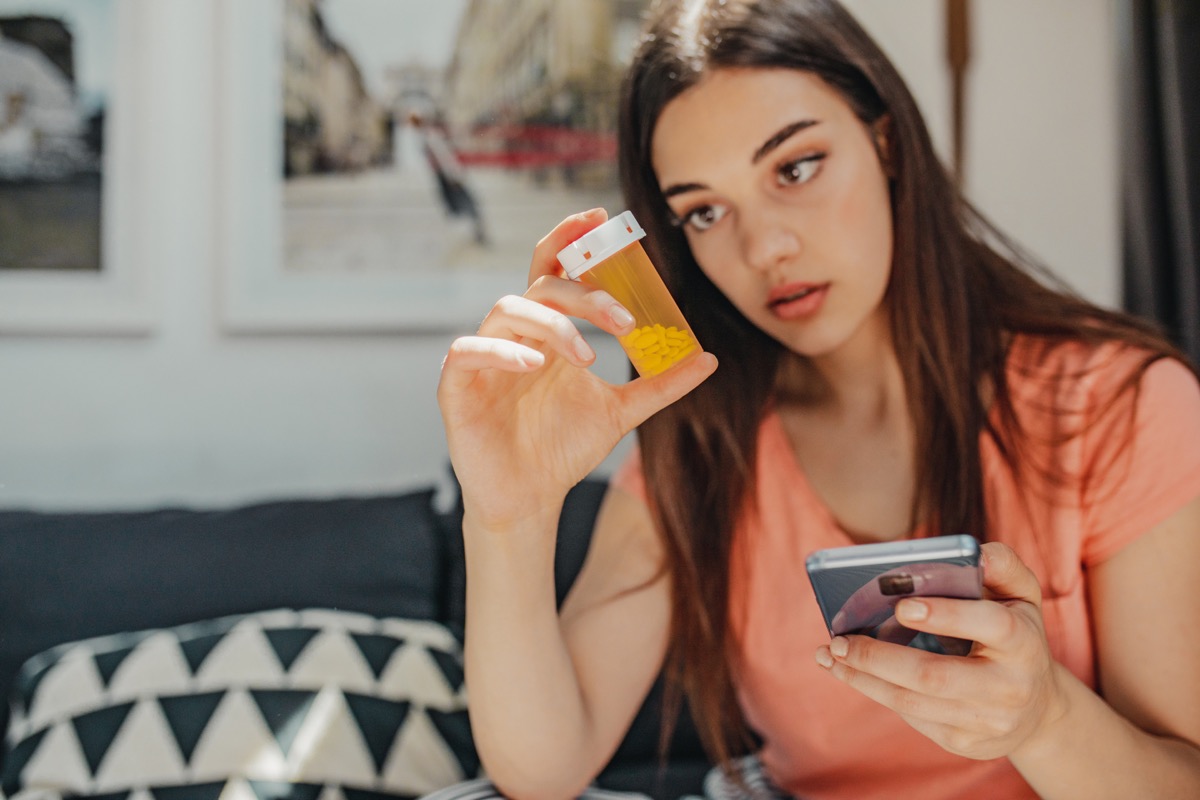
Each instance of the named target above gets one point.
<point>527,710</point>
<point>1089,750</point>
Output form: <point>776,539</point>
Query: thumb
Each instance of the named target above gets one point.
<point>644,397</point>
<point>1005,576</point>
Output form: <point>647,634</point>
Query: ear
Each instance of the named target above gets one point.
<point>881,130</point>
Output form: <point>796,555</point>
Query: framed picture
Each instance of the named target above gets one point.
<point>390,164</point>
<point>69,258</point>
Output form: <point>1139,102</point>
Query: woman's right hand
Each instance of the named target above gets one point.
<point>525,419</point>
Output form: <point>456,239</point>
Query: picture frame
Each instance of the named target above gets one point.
<point>118,298</point>
<point>295,261</point>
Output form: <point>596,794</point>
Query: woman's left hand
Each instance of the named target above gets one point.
<point>983,705</point>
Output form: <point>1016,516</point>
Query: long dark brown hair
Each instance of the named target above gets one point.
<point>958,293</point>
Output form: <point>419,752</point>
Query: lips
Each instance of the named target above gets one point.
<point>795,300</point>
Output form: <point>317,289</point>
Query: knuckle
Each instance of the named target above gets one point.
<point>1004,725</point>
<point>454,352</point>
<point>508,304</point>
<point>933,677</point>
<point>599,299</point>
<point>960,741</point>
<point>1007,626</point>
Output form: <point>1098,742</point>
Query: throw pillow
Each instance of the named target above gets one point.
<point>60,572</point>
<point>315,704</point>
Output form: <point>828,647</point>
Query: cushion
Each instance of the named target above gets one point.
<point>306,704</point>
<point>71,576</point>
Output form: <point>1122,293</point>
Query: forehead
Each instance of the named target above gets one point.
<point>733,111</point>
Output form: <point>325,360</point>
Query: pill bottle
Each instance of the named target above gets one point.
<point>610,257</point>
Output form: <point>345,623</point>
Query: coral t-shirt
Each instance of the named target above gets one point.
<point>824,740</point>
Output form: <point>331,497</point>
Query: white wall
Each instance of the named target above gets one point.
<point>1042,142</point>
<point>1041,129</point>
<point>193,416</point>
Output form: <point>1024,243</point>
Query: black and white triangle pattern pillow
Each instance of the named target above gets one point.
<point>280,705</point>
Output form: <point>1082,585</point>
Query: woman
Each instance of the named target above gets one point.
<point>887,370</point>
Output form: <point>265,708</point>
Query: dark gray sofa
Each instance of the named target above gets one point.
<point>66,577</point>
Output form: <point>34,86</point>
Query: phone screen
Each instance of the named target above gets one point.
<point>858,587</point>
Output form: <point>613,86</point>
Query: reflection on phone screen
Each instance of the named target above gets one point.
<point>869,609</point>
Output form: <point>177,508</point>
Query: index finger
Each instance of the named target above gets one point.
<point>545,261</point>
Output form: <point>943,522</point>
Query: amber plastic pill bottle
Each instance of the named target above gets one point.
<point>610,257</point>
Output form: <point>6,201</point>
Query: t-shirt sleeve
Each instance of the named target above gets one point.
<point>1141,476</point>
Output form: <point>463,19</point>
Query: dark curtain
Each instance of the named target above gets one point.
<point>1160,136</point>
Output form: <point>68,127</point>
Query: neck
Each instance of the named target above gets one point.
<point>860,383</point>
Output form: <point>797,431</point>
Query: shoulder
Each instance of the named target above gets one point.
<point>1121,422</point>
<point>1076,377</point>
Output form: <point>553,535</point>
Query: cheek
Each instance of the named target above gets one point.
<point>718,263</point>
<point>863,222</point>
<point>714,263</point>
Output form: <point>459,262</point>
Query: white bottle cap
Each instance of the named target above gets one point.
<point>599,243</point>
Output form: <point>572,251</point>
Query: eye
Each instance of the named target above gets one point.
<point>799,171</point>
<point>702,218</point>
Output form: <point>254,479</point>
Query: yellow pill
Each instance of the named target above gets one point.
<point>654,348</point>
<point>646,338</point>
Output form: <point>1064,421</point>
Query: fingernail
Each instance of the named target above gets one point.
<point>582,349</point>
<point>913,610</point>
<point>823,658</point>
<point>839,647</point>
<point>620,317</point>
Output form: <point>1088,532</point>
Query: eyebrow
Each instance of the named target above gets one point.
<point>778,138</point>
<point>781,136</point>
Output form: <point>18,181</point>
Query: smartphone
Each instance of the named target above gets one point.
<point>857,587</point>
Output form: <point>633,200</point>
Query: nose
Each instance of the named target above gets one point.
<point>768,241</point>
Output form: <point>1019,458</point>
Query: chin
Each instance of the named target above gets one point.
<point>809,346</point>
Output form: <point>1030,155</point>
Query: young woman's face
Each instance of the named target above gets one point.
<point>780,190</point>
